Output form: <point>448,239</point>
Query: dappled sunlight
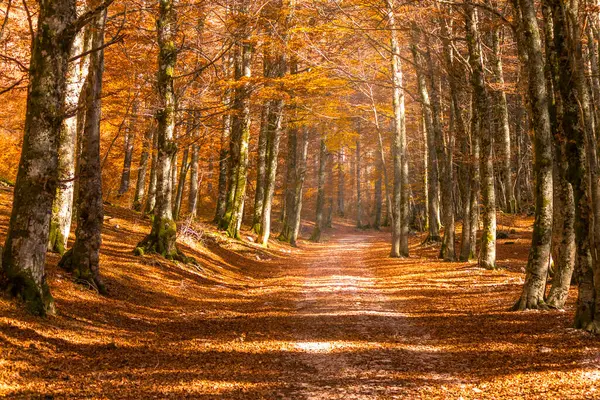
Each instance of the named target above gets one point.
<point>336,319</point>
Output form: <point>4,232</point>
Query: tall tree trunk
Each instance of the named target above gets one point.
<point>378,195</point>
<point>194,171</point>
<point>539,254</point>
<point>563,233</point>
<point>24,255</point>
<point>273,138</point>
<point>316,235</point>
<point>151,198</point>
<point>162,238</point>
<point>261,166</point>
<point>296,219</point>
<point>129,144</point>
<point>487,254</point>
<point>290,188</point>
<point>140,185</point>
<point>224,156</point>
<point>433,203</point>
<point>329,199</point>
<point>502,124</point>
<point>359,205</point>
<point>83,260</point>
<point>341,206</point>
<point>568,48</point>
<point>62,208</point>
<point>185,165</point>
<point>400,161</point>
<point>240,128</point>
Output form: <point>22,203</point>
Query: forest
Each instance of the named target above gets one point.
<point>312,199</point>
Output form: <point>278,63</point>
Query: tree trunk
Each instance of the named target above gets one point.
<point>539,254</point>
<point>329,200</point>
<point>316,235</point>
<point>400,161</point>
<point>240,128</point>
<point>359,205</point>
<point>140,185</point>
<point>224,156</point>
<point>341,207</point>
<point>162,238</point>
<point>185,165</point>
<point>83,260</point>
<point>503,126</point>
<point>433,203</point>
<point>487,254</point>
<point>290,189</point>
<point>273,138</point>
<point>129,144</point>
<point>24,256</point>
<point>194,170</point>
<point>261,167</point>
<point>151,199</point>
<point>62,208</point>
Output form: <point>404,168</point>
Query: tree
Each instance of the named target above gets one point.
<point>83,259</point>
<point>487,255</point>
<point>162,238</point>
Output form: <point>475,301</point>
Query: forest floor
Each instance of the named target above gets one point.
<point>337,320</point>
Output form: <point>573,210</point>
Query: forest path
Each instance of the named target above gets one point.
<point>335,320</point>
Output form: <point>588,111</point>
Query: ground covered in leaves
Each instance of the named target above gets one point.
<point>337,320</point>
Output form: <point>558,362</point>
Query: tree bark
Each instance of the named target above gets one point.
<point>62,208</point>
<point>83,259</point>
<point>194,171</point>
<point>341,205</point>
<point>539,254</point>
<point>433,181</point>
<point>487,253</point>
<point>162,238</point>
<point>401,190</point>
<point>240,128</point>
<point>140,185</point>
<point>261,165</point>
<point>185,165</point>
<point>151,199</point>
<point>24,255</point>
<point>316,235</point>
<point>128,147</point>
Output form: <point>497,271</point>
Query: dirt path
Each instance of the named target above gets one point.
<point>339,320</point>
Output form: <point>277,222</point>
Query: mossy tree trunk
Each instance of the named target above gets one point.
<point>568,49</point>
<point>534,288</point>
<point>83,259</point>
<point>240,129</point>
<point>62,208</point>
<point>563,231</point>
<point>151,198</point>
<point>140,185</point>
<point>24,254</point>
<point>162,238</point>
